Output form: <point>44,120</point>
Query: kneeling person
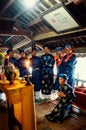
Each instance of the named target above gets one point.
<point>66,95</point>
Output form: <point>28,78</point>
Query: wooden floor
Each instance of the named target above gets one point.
<point>76,122</point>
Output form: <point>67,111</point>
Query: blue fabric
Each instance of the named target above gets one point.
<point>68,45</point>
<point>36,61</point>
<point>69,68</point>
<point>36,72</point>
<point>64,76</point>
<point>6,61</point>
<point>47,61</point>
<point>56,84</point>
<point>64,104</point>
<point>59,49</point>
<point>21,51</point>
<point>13,61</point>
<point>21,66</point>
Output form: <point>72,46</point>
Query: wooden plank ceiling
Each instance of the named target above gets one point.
<point>26,25</point>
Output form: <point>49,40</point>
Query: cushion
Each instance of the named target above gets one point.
<point>84,90</point>
<point>80,88</point>
<point>77,89</point>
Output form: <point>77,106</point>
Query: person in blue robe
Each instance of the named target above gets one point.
<point>64,105</point>
<point>47,61</point>
<point>10,59</point>
<point>21,64</point>
<point>13,60</point>
<point>58,61</point>
<point>69,63</point>
<point>36,72</point>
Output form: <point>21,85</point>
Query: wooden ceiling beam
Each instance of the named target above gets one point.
<point>19,14</point>
<point>6,6</point>
<point>36,21</point>
<point>23,43</point>
<point>27,33</point>
<point>52,34</point>
<point>15,33</point>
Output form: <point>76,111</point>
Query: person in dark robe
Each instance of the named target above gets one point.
<point>13,60</point>
<point>7,57</point>
<point>65,96</point>
<point>47,61</point>
<point>36,73</point>
<point>22,64</point>
<point>69,63</point>
<point>10,59</point>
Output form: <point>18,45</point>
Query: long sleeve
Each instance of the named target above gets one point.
<point>47,61</point>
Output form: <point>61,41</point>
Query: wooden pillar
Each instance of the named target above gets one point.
<point>20,99</point>
<point>28,111</point>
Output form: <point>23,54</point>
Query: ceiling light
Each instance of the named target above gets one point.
<point>30,3</point>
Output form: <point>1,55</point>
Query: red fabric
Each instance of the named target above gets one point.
<point>59,60</point>
<point>81,89</point>
<point>84,90</point>
<point>80,98</point>
<point>68,57</point>
<point>55,57</point>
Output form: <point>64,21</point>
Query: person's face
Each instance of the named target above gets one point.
<point>68,50</point>
<point>22,54</point>
<point>59,53</point>
<point>46,50</point>
<point>62,81</point>
<point>10,54</point>
<point>34,53</point>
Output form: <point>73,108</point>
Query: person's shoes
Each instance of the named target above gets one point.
<point>51,119</point>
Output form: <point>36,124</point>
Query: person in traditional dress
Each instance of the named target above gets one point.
<point>68,63</point>
<point>65,96</point>
<point>47,61</point>
<point>7,57</point>
<point>10,59</point>
<point>13,60</point>
<point>58,69</point>
<point>22,64</point>
<point>36,73</point>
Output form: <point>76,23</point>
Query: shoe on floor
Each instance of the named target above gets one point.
<point>51,119</point>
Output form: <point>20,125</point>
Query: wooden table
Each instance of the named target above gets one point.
<point>21,107</point>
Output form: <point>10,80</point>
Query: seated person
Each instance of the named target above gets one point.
<point>66,96</point>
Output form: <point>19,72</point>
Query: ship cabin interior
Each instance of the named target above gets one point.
<point>29,24</point>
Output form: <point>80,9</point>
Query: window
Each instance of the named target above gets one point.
<point>80,72</point>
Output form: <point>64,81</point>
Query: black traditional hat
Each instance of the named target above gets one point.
<point>9,50</point>
<point>21,51</point>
